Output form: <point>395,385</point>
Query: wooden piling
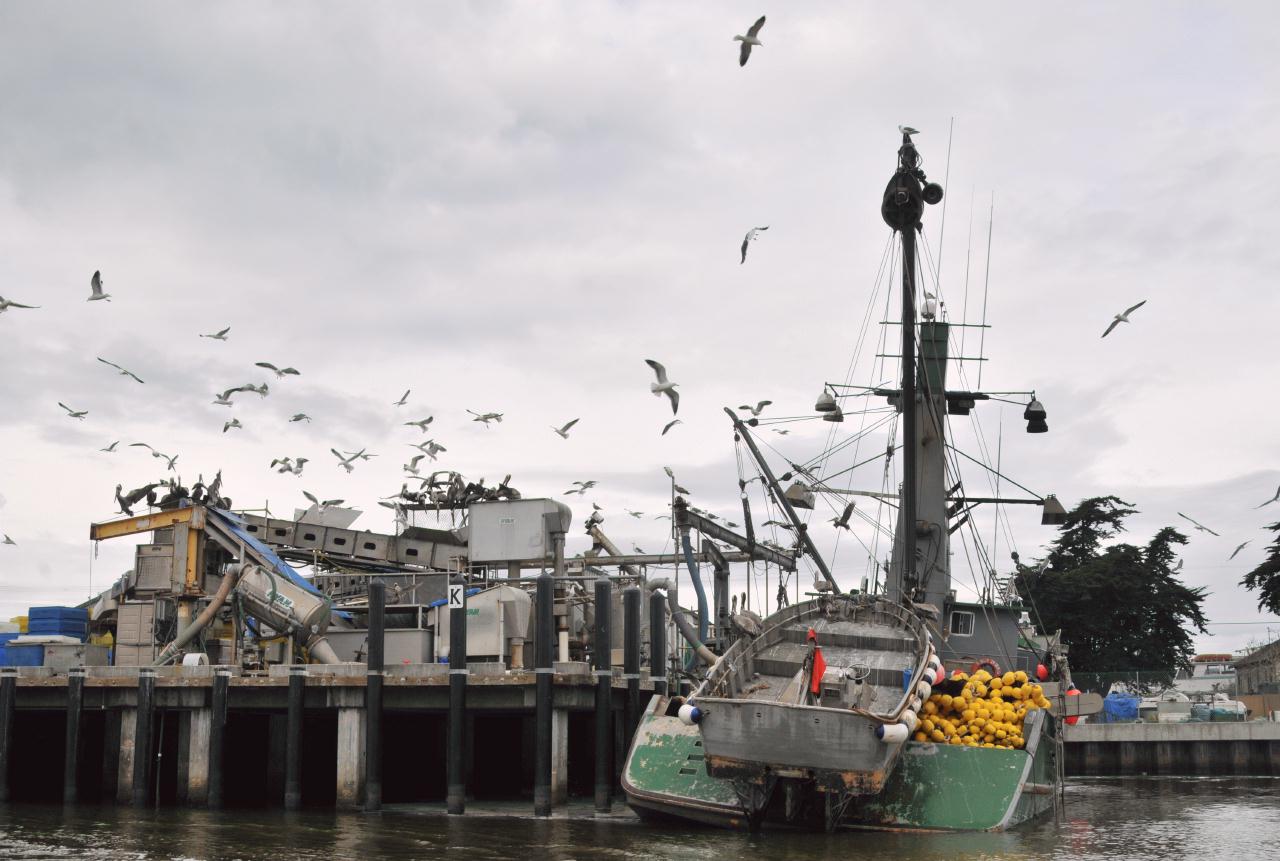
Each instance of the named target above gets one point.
<point>71,759</point>
<point>8,692</point>
<point>658,642</point>
<point>543,677</point>
<point>456,789</point>
<point>631,656</point>
<point>217,734</point>
<point>142,737</point>
<point>293,738</point>
<point>603,655</point>
<point>373,696</point>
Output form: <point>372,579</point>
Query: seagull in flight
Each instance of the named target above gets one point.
<point>664,386</point>
<point>403,399</point>
<point>486,417</point>
<point>1237,550</point>
<point>111,448</point>
<point>328,503</point>
<point>261,390</point>
<point>289,465</point>
<point>1272,499</point>
<point>421,424</point>
<point>842,522</point>
<point>8,540</point>
<point>361,454</point>
<point>783,433</point>
<point>582,487</point>
<point>95,287</point>
<point>1123,317</point>
<point>749,238</point>
<point>757,409</point>
<point>75,414</point>
<point>636,514</point>
<point>123,372</point>
<point>564,429</point>
<point>224,399</point>
<point>1197,525</point>
<point>234,423</point>
<point>5,305</point>
<point>669,425</point>
<point>412,466</point>
<point>430,448</point>
<point>220,335</point>
<point>749,40</point>
<point>347,463</point>
<point>279,372</point>
<point>300,417</point>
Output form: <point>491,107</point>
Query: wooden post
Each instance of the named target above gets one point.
<point>543,677</point>
<point>603,649</point>
<point>456,783</point>
<point>293,738</point>
<point>373,696</point>
<point>142,737</point>
<point>71,761</point>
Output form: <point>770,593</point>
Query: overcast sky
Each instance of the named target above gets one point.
<point>509,206</point>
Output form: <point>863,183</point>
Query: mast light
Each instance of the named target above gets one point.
<point>826,403</point>
<point>1053,514</point>
<point>1035,416</point>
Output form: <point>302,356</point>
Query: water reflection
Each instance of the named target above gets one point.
<point>1204,818</point>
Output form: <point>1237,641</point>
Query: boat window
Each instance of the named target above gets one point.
<point>961,623</point>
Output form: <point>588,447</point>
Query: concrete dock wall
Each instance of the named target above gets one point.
<point>1122,749</point>
<point>499,737</point>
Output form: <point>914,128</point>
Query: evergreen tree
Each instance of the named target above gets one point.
<point>1121,607</point>
<point>1266,577</point>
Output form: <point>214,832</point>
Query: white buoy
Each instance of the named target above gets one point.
<point>689,714</point>
<point>892,733</point>
<point>195,659</point>
<point>924,689</point>
<point>911,720</point>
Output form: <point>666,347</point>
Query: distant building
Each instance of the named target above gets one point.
<point>1209,674</point>
<point>1259,671</point>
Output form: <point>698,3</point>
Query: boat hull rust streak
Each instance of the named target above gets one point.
<point>934,787</point>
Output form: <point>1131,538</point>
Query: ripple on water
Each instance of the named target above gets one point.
<point>1232,819</point>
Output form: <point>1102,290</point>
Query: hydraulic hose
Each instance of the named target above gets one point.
<point>707,656</point>
<point>198,624</point>
<point>704,614</point>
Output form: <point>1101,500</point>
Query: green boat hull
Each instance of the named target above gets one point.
<point>933,787</point>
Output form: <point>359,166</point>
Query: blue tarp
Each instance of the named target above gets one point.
<point>1119,708</point>
<point>236,526</point>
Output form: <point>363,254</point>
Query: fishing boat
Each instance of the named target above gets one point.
<point>894,705</point>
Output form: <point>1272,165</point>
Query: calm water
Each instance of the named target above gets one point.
<point>1201,819</point>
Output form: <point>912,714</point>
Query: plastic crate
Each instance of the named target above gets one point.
<point>69,614</point>
<point>24,654</point>
<point>58,627</point>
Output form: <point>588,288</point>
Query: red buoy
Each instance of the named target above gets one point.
<point>1072,692</point>
<point>1042,672</point>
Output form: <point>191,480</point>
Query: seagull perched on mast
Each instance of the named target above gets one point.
<point>749,238</point>
<point>123,372</point>
<point>1197,525</point>
<point>220,335</point>
<point>1123,317</point>
<point>664,386</point>
<point>95,287</point>
<point>564,429</point>
<point>749,40</point>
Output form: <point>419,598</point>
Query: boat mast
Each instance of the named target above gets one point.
<point>902,207</point>
<point>802,533</point>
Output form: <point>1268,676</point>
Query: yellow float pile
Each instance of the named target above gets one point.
<point>988,712</point>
